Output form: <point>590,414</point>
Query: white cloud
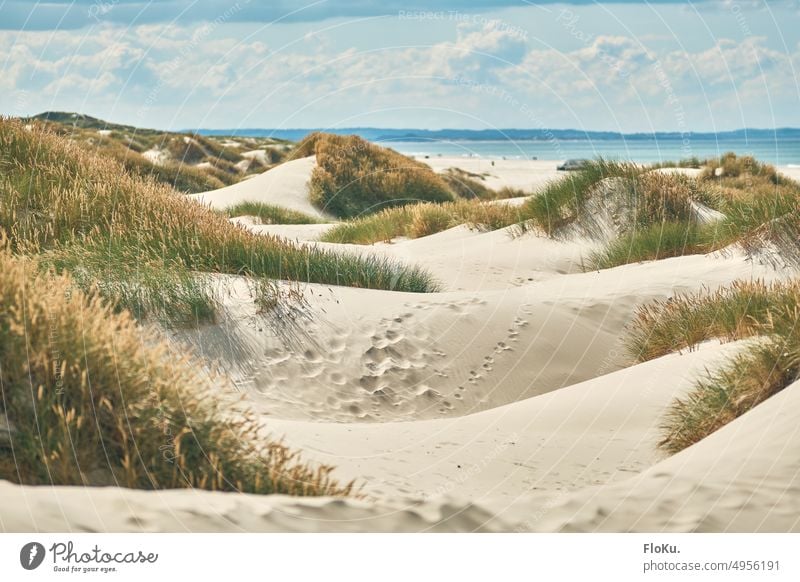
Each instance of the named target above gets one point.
<point>207,73</point>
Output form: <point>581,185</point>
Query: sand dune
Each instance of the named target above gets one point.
<point>505,402</point>
<point>595,432</point>
<point>742,478</point>
<point>367,355</point>
<point>284,185</point>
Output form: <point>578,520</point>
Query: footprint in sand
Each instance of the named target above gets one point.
<point>336,345</point>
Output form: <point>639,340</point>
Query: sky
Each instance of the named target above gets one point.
<point>630,66</point>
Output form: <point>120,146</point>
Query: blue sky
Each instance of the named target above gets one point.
<point>625,66</point>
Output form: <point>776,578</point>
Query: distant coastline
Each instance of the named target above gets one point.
<point>418,135</point>
<point>778,146</point>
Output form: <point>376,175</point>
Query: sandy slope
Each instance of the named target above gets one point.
<point>742,478</point>
<point>598,431</point>
<point>376,356</point>
<point>284,185</point>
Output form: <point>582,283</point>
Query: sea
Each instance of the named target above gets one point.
<point>778,151</point>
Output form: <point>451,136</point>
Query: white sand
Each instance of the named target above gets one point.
<point>294,232</point>
<point>526,175</point>
<point>742,478</point>
<point>285,185</point>
<point>506,402</point>
<point>792,171</point>
<point>156,156</point>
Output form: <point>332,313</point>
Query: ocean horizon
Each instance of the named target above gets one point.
<point>776,146</point>
<point>779,151</point>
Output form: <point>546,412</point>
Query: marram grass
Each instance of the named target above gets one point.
<point>94,399</point>
<point>355,177</point>
<point>418,220</point>
<point>53,193</point>
<point>656,214</point>
<point>740,310</point>
<point>768,313</point>
<point>269,213</point>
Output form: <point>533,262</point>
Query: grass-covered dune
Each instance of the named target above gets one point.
<point>355,177</point>
<point>63,202</point>
<point>188,162</point>
<point>742,310</point>
<point>657,216</point>
<point>91,398</point>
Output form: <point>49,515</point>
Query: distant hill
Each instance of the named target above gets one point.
<point>186,160</point>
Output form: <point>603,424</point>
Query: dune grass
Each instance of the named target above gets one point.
<point>418,220</point>
<point>562,201</point>
<point>190,162</point>
<point>93,399</point>
<point>744,309</point>
<point>659,241</point>
<point>656,216</point>
<point>54,194</point>
<point>741,310</point>
<point>692,162</point>
<point>355,177</point>
<point>731,166</point>
<point>751,378</point>
<point>269,213</point>
<point>152,289</point>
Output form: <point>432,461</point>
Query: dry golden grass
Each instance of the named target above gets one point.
<point>729,165</point>
<point>418,220</point>
<point>748,380</point>
<point>93,399</point>
<point>221,165</point>
<point>55,194</point>
<point>355,177</point>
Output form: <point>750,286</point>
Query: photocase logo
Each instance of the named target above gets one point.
<point>31,555</point>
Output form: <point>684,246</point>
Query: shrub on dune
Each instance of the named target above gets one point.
<point>93,399</point>
<point>354,176</point>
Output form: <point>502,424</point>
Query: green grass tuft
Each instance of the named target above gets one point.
<point>269,213</point>
<point>745,309</point>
